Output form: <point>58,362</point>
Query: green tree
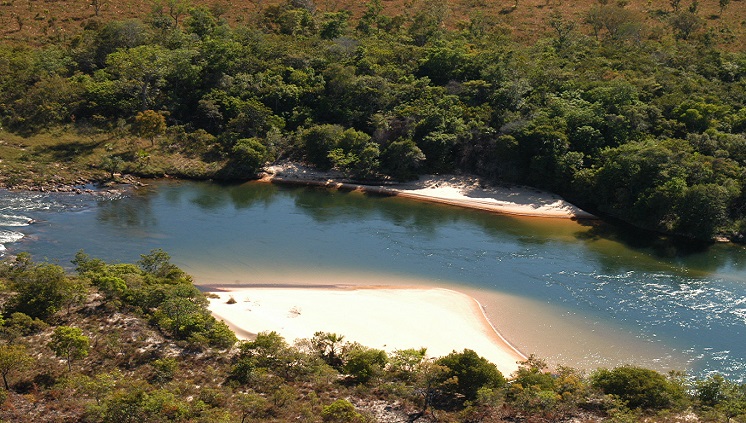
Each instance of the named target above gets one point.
<point>149,124</point>
<point>20,324</point>
<point>402,159</point>
<point>563,29</point>
<point>69,343</point>
<point>617,23</point>
<point>13,358</point>
<point>329,347</point>
<point>158,263</point>
<point>164,369</point>
<point>364,363</point>
<point>468,373</point>
<point>722,395</point>
<point>334,24</point>
<point>146,68</point>
<point>253,405</point>
<point>638,387</point>
<point>318,141</point>
<point>685,24</point>
<point>403,364</point>
<point>177,9</point>
<point>370,18</point>
<point>249,155</point>
<point>340,411</point>
<point>41,290</point>
<point>355,154</point>
<point>201,21</point>
<point>268,352</point>
<point>181,316</point>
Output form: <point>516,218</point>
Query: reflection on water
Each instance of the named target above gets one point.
<point>570,291</point>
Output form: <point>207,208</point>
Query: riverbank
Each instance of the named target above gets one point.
<point>461,191</point>
<point>388,318</point>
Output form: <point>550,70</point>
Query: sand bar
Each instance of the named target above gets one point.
<point>387,318</point>
<point>455,190</point>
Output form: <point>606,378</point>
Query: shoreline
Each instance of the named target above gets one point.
<point>439,319</point>
<point>458,191</point>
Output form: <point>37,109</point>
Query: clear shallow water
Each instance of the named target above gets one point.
<point>576,293</point>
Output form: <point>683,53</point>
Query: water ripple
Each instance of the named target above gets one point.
<point>664,303</point>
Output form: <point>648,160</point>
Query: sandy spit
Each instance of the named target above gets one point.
<point>455,190</point>
<point>388,318</point>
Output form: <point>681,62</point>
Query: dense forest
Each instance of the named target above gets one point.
<point>646,125</point>
<point>117,342</point>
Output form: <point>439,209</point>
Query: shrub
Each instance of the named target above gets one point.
<point>468,373</point>
<point>638,387</point>
<point>340,411</point>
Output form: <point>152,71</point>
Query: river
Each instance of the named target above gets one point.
<point>584,294</point>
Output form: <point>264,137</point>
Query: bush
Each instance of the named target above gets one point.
<point>249,155</point>
<point>468,373</point>
<point>638,387</point>
<point>340,411</point>
<point>364,363</point>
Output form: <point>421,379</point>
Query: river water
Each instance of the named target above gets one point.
<point>579,294</point>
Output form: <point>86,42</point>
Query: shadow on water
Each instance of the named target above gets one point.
<point>209,196</point>
<point>677,254</point>
<point>617,247</point>
<point>130,212</point>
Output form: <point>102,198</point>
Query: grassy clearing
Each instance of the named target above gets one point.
<point>62,157</point>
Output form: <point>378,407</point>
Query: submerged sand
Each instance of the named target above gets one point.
<point>390,318</point>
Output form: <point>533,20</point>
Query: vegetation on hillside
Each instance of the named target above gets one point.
<point>643,125</point>
<point>135,343</point>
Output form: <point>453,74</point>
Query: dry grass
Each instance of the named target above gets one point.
<point>61,157</point>
<point>41,20</point>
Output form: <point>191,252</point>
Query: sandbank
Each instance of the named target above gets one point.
<point>387,318</point>
<point>455,190</point>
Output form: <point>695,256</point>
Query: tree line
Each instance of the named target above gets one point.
<point>117,342</point>
<point>642,126</point>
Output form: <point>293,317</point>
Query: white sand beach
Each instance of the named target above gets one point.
<point>388,318</point>
<point>455,190</point>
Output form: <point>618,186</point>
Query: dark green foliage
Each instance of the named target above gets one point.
<point>137,403</point>
<point>268,353</point>
<point>638,387</point>
<point>334,24</point>
<point>248,156</point>
<point>41,289</point>
<point>364,363</point>
<point>318,141</point>
<point>20,324</point>
<point>721,395</point>
<point>402,159</point>
<point>162,291</point>
<point>468,373</point>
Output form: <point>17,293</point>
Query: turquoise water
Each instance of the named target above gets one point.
<point>578,293</point>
